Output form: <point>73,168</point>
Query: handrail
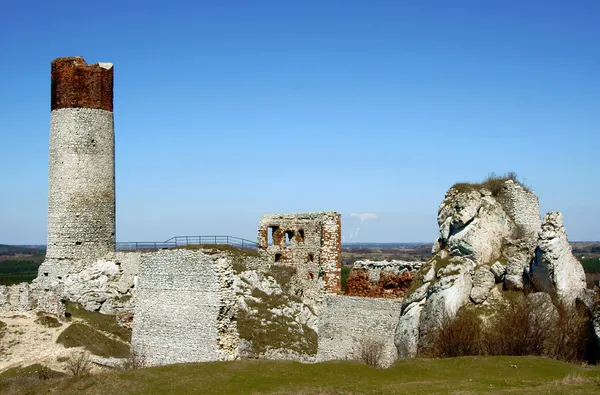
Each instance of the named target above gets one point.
<point>182,241</point>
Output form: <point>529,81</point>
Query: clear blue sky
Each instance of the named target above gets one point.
<point>228,110</point>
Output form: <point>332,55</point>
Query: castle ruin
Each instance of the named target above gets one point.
<point>185,305</point>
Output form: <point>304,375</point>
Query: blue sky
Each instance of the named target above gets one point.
<point>228,110</point>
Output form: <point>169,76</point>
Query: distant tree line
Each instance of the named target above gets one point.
<point>17,271</point>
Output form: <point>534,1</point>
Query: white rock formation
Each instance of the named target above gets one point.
<point>555,270</point>
<point>483,282</point>
<point>478,229</point>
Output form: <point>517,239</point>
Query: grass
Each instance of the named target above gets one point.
<point>265,329</point>
<point>81,335</point>
<point>282,274</point>
<point>492,183</point>
<point>590,265</point>
<point>99,321</point>
<point>344,278</point>
<point>465,375</point>
<point>47,321</point>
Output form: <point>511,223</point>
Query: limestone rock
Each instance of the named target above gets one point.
<point>518,255</point>
<point>407,331</point>
<point>544,313</point>
<point>483,282</point>
<point>555,270</point>
<point>498,270</point>
<point>474,225</point>
<point>449,292</point>
<point>523,208</point>
<point>596,316</point>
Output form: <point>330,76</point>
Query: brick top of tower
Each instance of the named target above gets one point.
<point>76,84</point>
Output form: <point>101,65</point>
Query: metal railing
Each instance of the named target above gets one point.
<point>182,241</point>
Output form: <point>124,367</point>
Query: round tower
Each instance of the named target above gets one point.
<point>81,185</point>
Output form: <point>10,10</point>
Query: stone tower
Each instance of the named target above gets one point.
<point>81,191</point>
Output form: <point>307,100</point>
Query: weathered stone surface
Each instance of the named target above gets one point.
<point>388,284</point>
<point>518,255</point>
<point>555,270</point>
<point>394,266</point>
<point>523,208</point>
<point>16,298</point>
<point>276,320</point>
<point>407,332</point>
<point>483,282</point>
<point>544,313</point>
<point>81,189</point>
<point>349,323</point>
<point>308,240</point>
<point>473,224</point>
<point>186,308</point>
<point>498,270</point>
<point>449,292</point>
<point>595,316</point>
<point>106,285</point>
<point>76,84</point>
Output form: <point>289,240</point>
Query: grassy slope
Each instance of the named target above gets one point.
<point>419,376</point>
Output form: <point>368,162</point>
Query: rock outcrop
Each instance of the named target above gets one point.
<point>488,235</point>
<point>555,270</point>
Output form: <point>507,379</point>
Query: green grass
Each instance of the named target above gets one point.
<point>47,321</point>
<point>28,370</point>
<point>465,375</point>
<point>590,265</point>
<point>344,277</point>
<point>99,321</point>
<point>265,329</point>
<point>81,335</point>
<point>2,329</point>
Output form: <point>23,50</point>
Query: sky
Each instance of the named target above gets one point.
<point>229,110</point>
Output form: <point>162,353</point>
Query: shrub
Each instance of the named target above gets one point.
<point>519,327</point>
<point>456,336</point>
<point>79,364</point>
<point>136,360</point>
<point>371,352</point>
<point>493,183</point>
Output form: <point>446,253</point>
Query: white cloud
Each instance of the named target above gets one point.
<point>364,216</point>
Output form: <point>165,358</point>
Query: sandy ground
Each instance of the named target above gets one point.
<point>26,342</point>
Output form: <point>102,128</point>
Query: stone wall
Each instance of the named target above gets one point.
<point>349,323</point>
<point>16,298</point>
<point>186,308</point>
<point>309,241</point>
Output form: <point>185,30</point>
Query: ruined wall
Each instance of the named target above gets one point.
<point>381,279</point>
<point>309,241</point>
<point>350,322</point>
<point>16,298</point>
<point>186,308</point>
<point>81,191</point>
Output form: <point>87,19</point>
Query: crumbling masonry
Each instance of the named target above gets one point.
<point>183,306</point>
<point>311,241</point>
